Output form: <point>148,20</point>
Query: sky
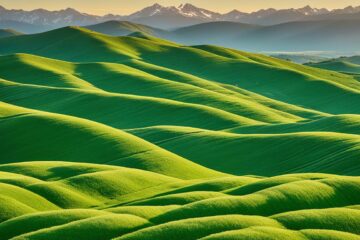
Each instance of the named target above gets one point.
<point>124,7</point>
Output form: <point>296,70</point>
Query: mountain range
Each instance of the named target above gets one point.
<point>166,17</point>
<point>334,37</point>
<point>322,35</point>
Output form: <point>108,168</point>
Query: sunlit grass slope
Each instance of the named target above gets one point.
<point>74,199</point>
<point>136,137</point>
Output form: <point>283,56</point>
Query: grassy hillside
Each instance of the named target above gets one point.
<point>300,58</point>
<point>256,73</point>
<point>136,137</point>
<point>303,150</point>
<point>349,65</point>
<point>114,146</point>
<point>353,59</point>
<point>199,207</point>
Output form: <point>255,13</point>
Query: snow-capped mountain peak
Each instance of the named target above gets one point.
<point>153,10</point>
<point>186,10</point>
<point>190,10</point>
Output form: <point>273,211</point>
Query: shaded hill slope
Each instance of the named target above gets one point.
<point>264,154</point>
<point>123,28</point>
<point>345,65</point>
<point>103,47</point>
<point>114,147</point>
<point>8,33</point>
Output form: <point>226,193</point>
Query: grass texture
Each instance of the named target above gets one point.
<point>136,137</point>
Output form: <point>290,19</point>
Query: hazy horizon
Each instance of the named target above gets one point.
<point>125,7</point>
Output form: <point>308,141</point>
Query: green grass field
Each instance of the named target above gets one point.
<point>136,137</point>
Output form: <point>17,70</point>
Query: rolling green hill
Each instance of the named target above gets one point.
<point>123,28</point>
<point>353,59</point>
<point>136,137</point>
<point>8,33</point>
<point>255,73</point>
<point>300,57</point>
<point>107,200</point>
<point>349,65</point>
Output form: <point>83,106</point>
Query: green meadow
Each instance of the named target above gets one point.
<point>140,138</point>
